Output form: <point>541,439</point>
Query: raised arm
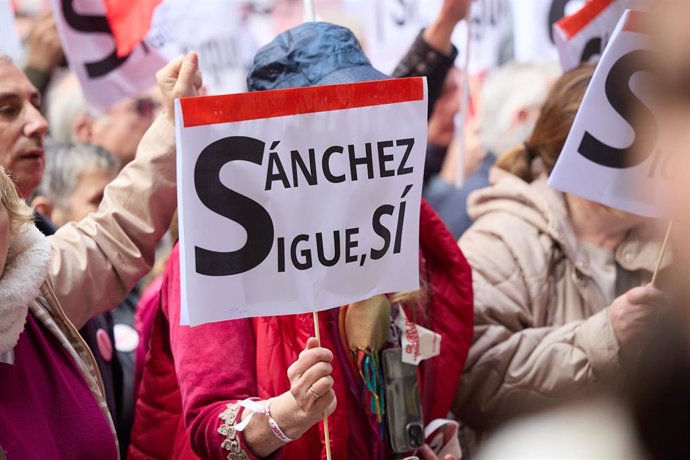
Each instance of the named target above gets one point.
<point>97,261</point>
<point>216,369</point>
<point>432,54</point>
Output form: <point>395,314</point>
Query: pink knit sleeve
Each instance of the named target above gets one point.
<point>216,367</point>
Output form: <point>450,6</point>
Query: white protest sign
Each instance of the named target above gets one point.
<point>90,49</point>
<point>299,200</point>
<point>582,37</point>
<point>606,158</point>
<point>9,40</point>
<point>392,26</point>
<point>225,34</point>
<point>489,22</point>
<point>533,22</point>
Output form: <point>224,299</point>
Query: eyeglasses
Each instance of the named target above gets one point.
<point>146,107</point>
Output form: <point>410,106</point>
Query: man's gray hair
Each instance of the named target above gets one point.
<point>65,164</point>
<point>65,103</point>
<point>506,91</point>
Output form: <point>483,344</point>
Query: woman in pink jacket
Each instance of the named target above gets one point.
<point>256,388</point>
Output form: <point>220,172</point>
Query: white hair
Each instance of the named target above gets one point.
<point>65,164</point>
<point>65,104</point>
<point>506,91</point>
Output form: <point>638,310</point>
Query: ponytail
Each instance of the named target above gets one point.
<point>551,128</point>
<point>518,161</point>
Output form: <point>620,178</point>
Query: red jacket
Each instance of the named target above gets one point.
<point>191,374</point>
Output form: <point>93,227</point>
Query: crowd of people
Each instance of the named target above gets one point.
<point>554,343</point>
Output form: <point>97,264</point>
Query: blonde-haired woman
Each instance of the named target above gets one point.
<point>557,280</point>
<point>43,358</point>
<point>51,395</point>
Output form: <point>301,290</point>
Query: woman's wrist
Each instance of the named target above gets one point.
<point>291,420</point>
<point>439,33</point>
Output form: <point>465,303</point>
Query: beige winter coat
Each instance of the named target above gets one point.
<point>542,331</point>
<point>98,260</point>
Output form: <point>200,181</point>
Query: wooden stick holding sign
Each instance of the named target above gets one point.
<point>310,16</point>
<point>657,269</point>
<point>326,433</point>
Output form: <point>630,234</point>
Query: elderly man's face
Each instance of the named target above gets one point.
<point>22,129</point>
<point>121,129</point>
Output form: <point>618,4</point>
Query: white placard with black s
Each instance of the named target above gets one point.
<point>90,49</point>
<point>299,200</point>
<point>611,155</point>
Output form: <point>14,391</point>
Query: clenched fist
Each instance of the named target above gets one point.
<point>180,78</point>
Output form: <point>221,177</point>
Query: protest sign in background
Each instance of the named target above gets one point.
<point>299,200</point>
<point>9,41</point>
<point>533,22</point>
<point>90,49</point>
<point>391,27</point>
<point>129,22</point>
<point>583,36</point>
<point>226,35</point>
<point>611,153</point>
<point>489,27</point>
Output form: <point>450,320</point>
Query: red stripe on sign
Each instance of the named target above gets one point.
<point>208,110</point>
<point>636,22</point>
<point>571,25</point>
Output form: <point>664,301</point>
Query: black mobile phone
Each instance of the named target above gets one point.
<point>403,403</point>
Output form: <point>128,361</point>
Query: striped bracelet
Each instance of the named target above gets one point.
<point>275,429</point>
<point>255,407</point>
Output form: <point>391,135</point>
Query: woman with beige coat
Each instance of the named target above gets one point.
<point>560,282</point>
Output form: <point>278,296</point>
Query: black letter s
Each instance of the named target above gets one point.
<point>627,105</point>
<point>93,24</point>
<point>381,230</point>
<point>593,47</point>
<point>556,13</point>
<point>236,207</point>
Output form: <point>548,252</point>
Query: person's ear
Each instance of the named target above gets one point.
<point>525,115</point>
<point>82,129</point>
<point>43,206</point>
<point>521,116</point>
